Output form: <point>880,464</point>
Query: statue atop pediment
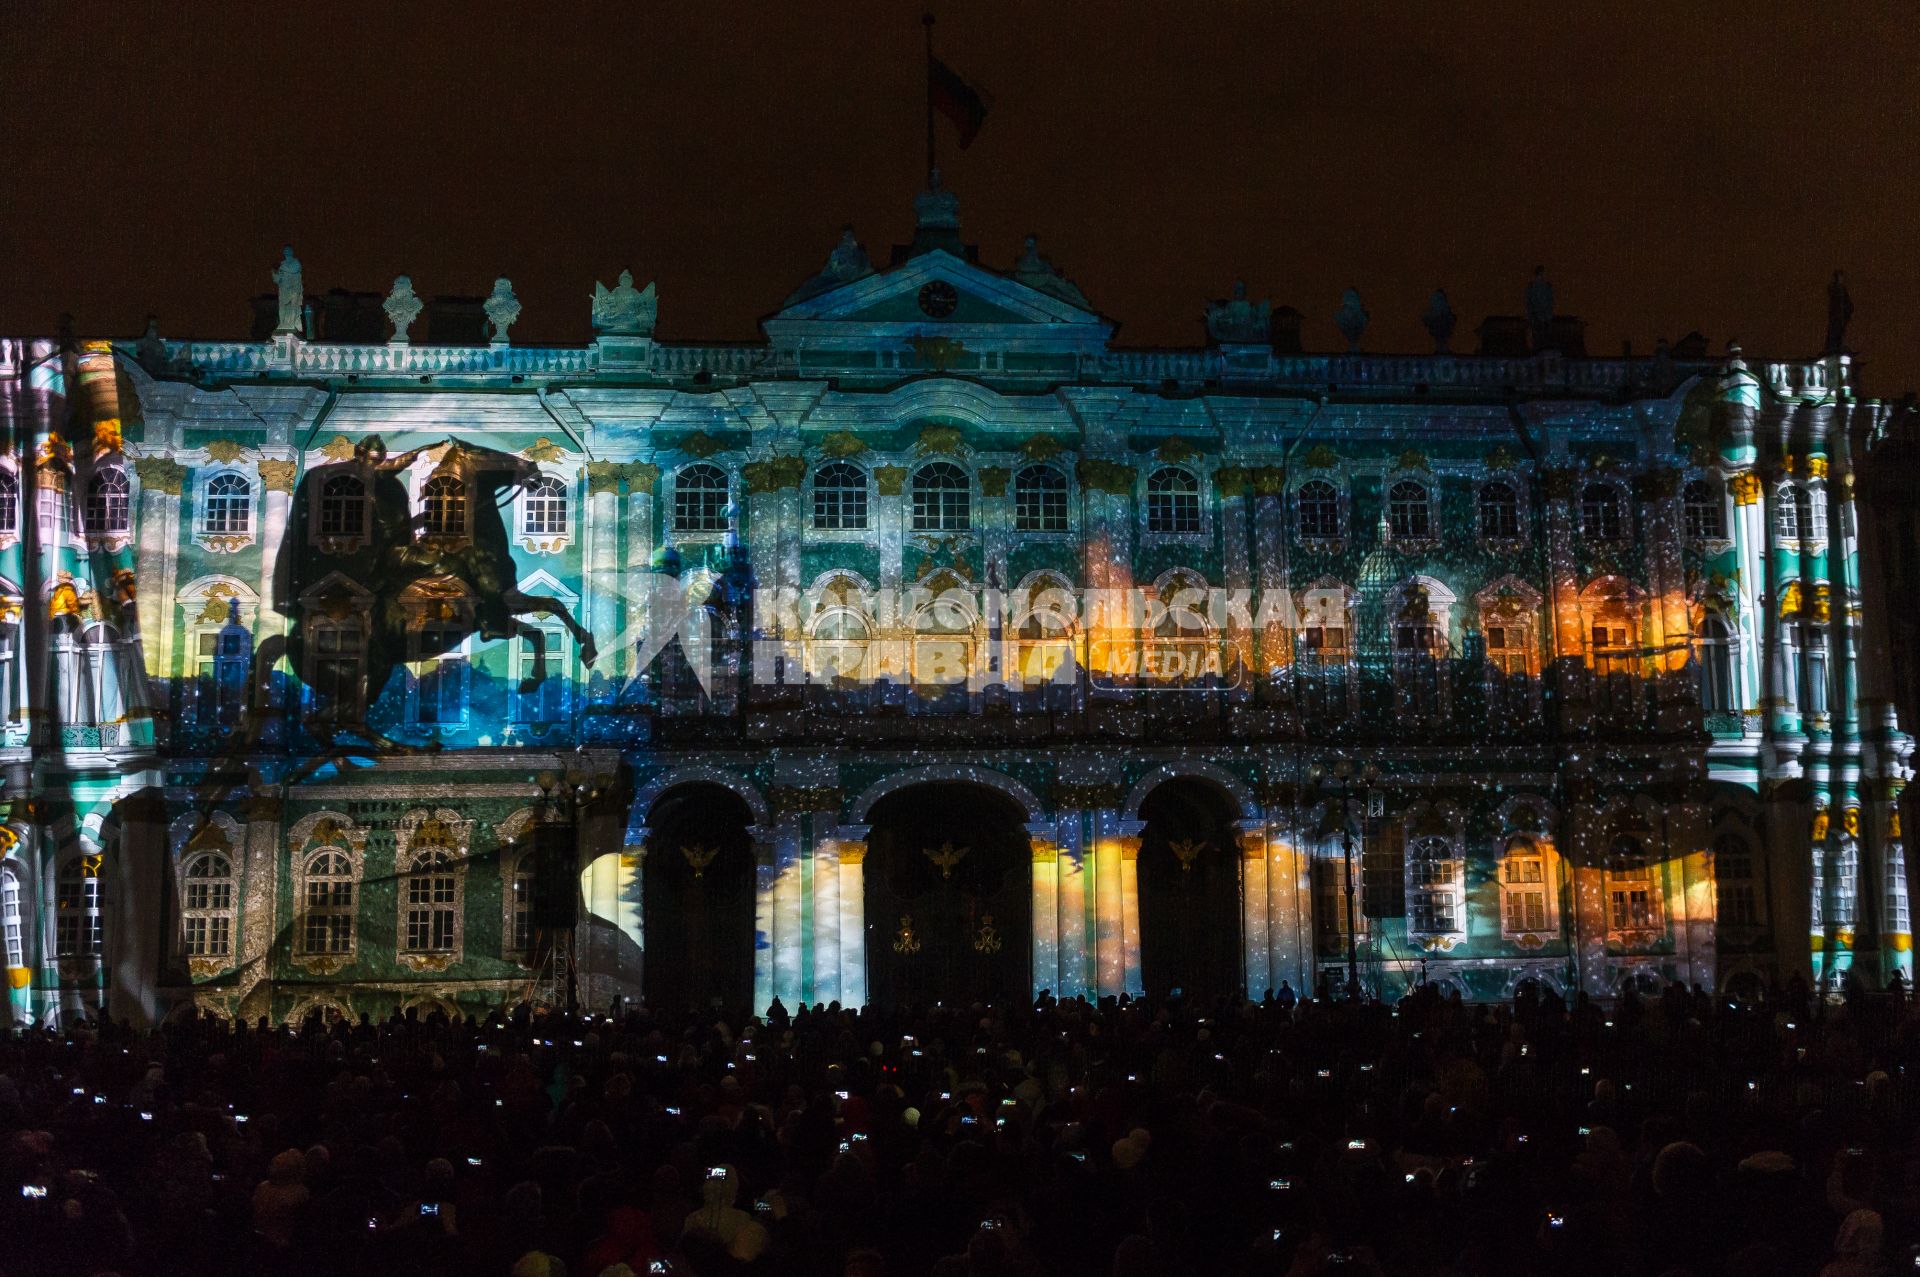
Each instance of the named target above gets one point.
<point>623,310</point>
<point>936,208</point>
<point>287,283</point>
<point>846,263</point>
<point>1036,272</point>
<point>1237,321</point>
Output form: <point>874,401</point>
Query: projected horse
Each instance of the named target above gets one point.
<point>451,562</point>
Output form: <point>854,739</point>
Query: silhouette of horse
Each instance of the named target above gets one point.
<point>454,565</point>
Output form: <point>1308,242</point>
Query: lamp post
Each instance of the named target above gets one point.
<point>1339,781</point>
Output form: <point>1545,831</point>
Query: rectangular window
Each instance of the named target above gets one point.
<point>520,927</point>
<point>440,697</point>
<point>547,703</point>
<point>1737,905</point>
<point>336,663</point>
<point>430,913</point>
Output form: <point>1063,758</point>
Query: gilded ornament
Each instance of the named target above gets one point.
<point>278,475</point>
<point>887,480</point>
<point>1099,475</point>
<point>993,480</point>
<point>1412,459</point>
<point>941,439</point>
<point>1038,447</point>
<point>543,449</point>
<point>774,474</point>
<point>988,939</point>
<point>946,857</point>
<point>699,855</point>
<point>842,444</point>
<point>1321,456</point>
<point>1746,487</point>
<point>1822,822</point>
<point>160,474</point>
<point>905,942</point>
<point>1186,851</point>
<point>699,444</point>
<point>224,451</point>
<point>1175,449</point>
<point>1232,481</point>
<point>338,448</point>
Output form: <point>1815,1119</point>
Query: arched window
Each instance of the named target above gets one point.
<point>327,912</point>
<point>1039,500</point>
<point>840,497</point>
<point>1735,891</point>
<point>343,506</point>
<point>229,505</point>
<point>942,500</point>
<point>76,918</point>
<point>1433,887</point>
<point>1526,894</point>
<point>9,502</point>
<point>108,502</point>
<point>13,945</point>
<point>1409,512</point>
<point>1318,505</point>
<point>1706,511</point>
<point>1600,517</point>
<point>444,499</point>
<point>1713,651</point>
<point>1043,639</point>
<point>1786,512</point>
<point>1633,903</point>
<point>207,906</point>
<point>700,499</point>
<point>545,512</point>
<point>1499,511</point>
<point>429,895</point>
<point>1173,501</point>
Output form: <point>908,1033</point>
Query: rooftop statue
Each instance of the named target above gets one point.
<point>150,350</point>
<point>1035,271</point>
<point>402,308</point>
<point>1839,314</point>
<point>1540,308</point>
<point>1439,320</point>
<point>936,208</point>
<point>502,308</point>
<point>846,263</point>
<point>625,311</point>
<point>286,278</point>
<point>1351,319</point>
<point>1238,321</point>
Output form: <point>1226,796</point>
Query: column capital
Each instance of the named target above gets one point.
<point>852,851</point>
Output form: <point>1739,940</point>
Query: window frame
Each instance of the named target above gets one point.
<point>1703,518</point>
<point>446,503</point>
<point>1483,500</point>
<point>1410,520</point>
<point>1331,506</point>
<point>104,485</point>
<point>78,929</point>
<point>1525,854</point>
<point>13,919</point>
<point>549,496</point>
<point>1604,519</point>
<point>330,506</point>
<point>694,511</point>
<point>933,509</point>
<point>839,497</point>
<point>1037,521</point>
<point>213,915</point>
<point>1445,887</point>
<point>1171,512</point>
<point>233,503</point>
<point>339,941</point>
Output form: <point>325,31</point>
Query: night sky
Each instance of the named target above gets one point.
<point>1674,167</point>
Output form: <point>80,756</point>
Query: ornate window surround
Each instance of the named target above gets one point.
<point>1522,511</point>
<point>545,542</point>
<point>670,513</point>
<point>813,531</point>
<point>1515,879</point>
<point>1429,484</point>
<point>106,540</point>
<point>339,542</point>
<point>225,541</point>
<point>1342,511</point>
<point>1071,491</point>
<point>1203,496</point>
<point>421,833</point>
<point>514,848</point>
<point>1442,822</point>
<point>1716,487</point>
<point>219,840</point>
<point>317,832</point>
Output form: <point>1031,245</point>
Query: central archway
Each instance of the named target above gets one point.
<point>949,896</point>
<point>697,897</point>
<point>1189,883</point>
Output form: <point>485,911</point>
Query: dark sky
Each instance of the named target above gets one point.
<point>1674,166</point>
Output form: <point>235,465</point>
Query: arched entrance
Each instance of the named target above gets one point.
<point>1189,882</point>
<point>949,896</point>
<point>697,885</point>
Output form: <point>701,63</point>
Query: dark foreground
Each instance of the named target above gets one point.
<point>1673,1135</point>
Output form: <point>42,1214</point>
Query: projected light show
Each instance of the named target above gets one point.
<point>654,802</point>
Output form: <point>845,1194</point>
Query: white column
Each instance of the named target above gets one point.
<point>765,929</point>
<point>789,936</point>
<point>1046,906</point>
<point>1256,936</point>
<point>851,864</point>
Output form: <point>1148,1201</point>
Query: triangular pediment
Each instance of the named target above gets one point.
<point>893,298</point>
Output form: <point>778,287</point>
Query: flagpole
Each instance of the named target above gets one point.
<point>926,20</point>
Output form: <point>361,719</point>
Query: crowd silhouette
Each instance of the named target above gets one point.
<point>1676,1132</point>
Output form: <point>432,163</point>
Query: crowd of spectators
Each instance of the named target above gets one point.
<point>1675,1132</point>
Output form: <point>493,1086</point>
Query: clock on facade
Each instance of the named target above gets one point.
<point>938,299</point>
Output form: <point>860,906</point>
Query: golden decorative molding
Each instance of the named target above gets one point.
<point>993,480</point>
<point>853,852</point>
<point>543,449</point>
<point>1039,447</point>
<point>842,444</point>
<point>946,440</point>
<point>1045,851</point>
<point>224,451</point>
<point>1098,475</point>
<point>774,474</point>
<point>278,475</point>
<point>888,480</point>
<point>1746,487</point>
<point>160,474</point>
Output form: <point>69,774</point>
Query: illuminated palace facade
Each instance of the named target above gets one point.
<point>1518,665</point>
